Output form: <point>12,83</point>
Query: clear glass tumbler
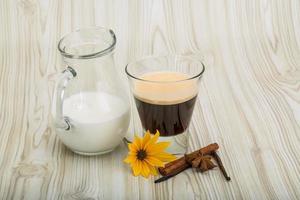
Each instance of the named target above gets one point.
<point>165,90</point>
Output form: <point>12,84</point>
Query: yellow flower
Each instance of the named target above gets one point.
<point>145,154</point>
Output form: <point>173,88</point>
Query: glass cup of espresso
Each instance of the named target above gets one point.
<point>165,90</point>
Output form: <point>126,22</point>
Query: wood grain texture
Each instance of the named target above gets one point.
<point>249,99</point>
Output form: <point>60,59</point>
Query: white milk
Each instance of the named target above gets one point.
<point>99,122</point>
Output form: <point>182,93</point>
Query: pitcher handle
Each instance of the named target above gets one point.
<point>63,122</point>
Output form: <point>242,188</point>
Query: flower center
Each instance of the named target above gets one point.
<point>141,154</point>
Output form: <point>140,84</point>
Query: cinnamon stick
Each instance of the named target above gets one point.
<point>183,163</point>
<point>164,178</point>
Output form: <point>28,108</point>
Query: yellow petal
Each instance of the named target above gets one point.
<point>157,148</point>
<point>145,170</point>
<point>154,139</point>
<point>165,157</point>
<point>136,168</point>
<point>130,159</point>
<point>137,142</point>
<point>154,161</point>
<point>153,170</point>
<point>132,148</point>
<point>146,139</point>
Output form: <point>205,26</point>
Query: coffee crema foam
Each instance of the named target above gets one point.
<point>165,88</point>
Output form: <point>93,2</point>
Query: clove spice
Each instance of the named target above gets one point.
<point>221,166</point>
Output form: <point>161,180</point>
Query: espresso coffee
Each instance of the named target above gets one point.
<point>165,101</point>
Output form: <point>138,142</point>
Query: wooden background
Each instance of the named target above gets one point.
<point>249,98</point>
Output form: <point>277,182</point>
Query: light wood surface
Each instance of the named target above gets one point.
<point>249,99</point>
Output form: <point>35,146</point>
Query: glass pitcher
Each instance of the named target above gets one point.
<point>90,108</point>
